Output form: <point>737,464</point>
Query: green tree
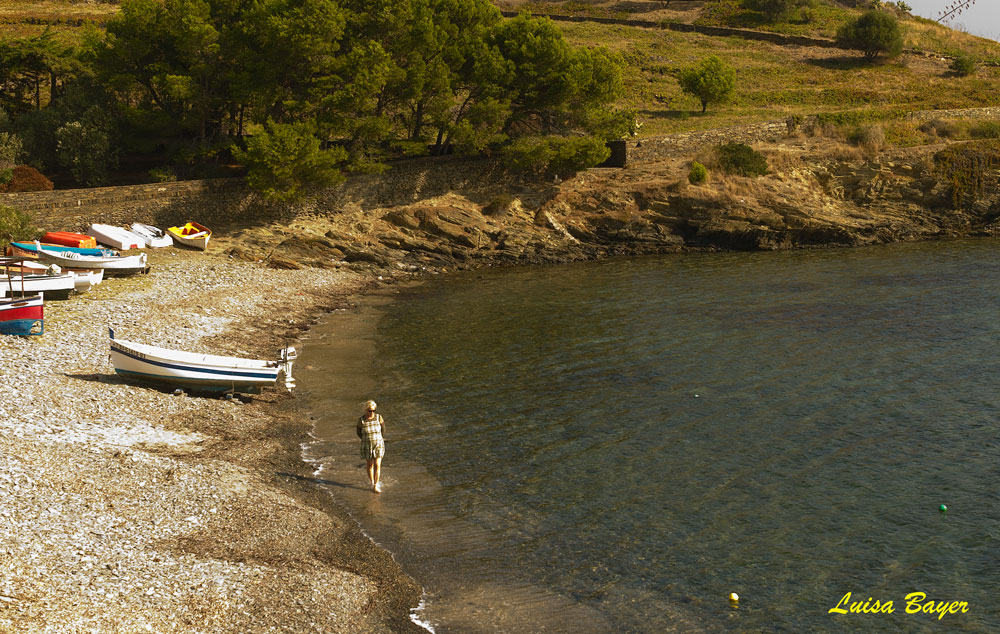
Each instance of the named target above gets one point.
<point>10,154</point>
<point>15,226</point>
<point>712,81</point>
<point>86,149</point>
<point>206,64</point>
<point>873,33</point>
<point>33,71</point>
<point>285,159</point>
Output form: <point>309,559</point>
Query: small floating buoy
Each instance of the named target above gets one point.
<point>734,597</point>
<point>942,508</point>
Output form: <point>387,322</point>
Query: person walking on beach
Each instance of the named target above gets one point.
<point>370,430</point>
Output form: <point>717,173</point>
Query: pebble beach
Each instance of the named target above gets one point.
<point>130,509</point>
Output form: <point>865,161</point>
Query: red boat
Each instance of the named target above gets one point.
<point>21,316</point>
<point>68,239</point>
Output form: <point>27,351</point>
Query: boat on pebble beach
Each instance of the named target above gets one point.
<point>30,249</point>
<point>117,237</point>
<point>154,237</point>
<point>191,370</point>
<point>70,239</point>
<point>191,234</point>
<point>115,264</point>
<point>50,286</point>
<point>22,316</point>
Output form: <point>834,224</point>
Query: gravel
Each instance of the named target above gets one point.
<point>119,512</point>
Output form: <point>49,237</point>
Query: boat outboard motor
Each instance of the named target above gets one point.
<point>286,356</point>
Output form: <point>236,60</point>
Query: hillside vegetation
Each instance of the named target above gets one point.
<point>773,81</point>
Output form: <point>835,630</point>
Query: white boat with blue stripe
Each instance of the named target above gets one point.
<point>191,370</point>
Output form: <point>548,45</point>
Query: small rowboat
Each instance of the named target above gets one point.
<point>112,264</point>
<point>30,249</point>
<point>84,279</point>
<point>50,286</point>
<point>179,369</point>
<point>22,316</point>
<point>191,234</point>
<point>116,237</point>
<point>68,239</point>
<point>151,235</point>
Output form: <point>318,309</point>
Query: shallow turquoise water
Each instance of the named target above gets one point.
<point>622,444</point>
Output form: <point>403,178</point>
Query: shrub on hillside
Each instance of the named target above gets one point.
<point>553,154</point>
<point>873,33</point>
<point>698,173</point>
<point>26,179</point>
<point>963,65</point>
<point>740,159</point>
<point>869,137</point>
<point>15,226</point>
<point>985,130</point>
<point>942,128</point>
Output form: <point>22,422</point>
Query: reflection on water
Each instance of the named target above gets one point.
<point>623,444</point>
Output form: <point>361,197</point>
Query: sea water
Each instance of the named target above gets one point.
<point>617,446</point>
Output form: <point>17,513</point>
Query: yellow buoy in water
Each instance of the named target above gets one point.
<point>734,597</point>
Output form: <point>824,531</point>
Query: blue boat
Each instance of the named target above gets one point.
<point>31,248</point>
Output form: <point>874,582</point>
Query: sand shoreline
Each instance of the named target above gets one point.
<point>128,509</point>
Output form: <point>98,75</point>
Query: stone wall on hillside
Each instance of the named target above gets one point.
<point>222,202</point>
<point>688,143</point>
<point>161,204</point>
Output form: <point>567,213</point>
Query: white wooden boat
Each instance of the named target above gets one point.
<point>178,369</point>
<point>84,279</point>
<point>111,264</point>
<point>50,286</point>
<point>117,237</point>
<point>151,235</point>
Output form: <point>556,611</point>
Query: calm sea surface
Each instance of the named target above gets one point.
<point>618,446</point>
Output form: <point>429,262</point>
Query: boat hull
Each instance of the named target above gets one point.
<point>191,235</point>
<point>53,286</point>
<point>116,237</point>
<point>69,239</point>
<point>30,249</point>
<point>112,265</point>
<point>22,316</point>
<point>170,368</point>
<point>155,238</point>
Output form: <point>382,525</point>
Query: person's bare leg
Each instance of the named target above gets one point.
<point>378,474</point>
<point>371,473</point>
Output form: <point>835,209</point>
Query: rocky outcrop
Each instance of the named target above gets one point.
<point>814,201</point>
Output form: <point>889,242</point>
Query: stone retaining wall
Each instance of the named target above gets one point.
<point>688,143</point>
<point>161,204</point>
<point>716,31</point>
<point>223,202</point>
